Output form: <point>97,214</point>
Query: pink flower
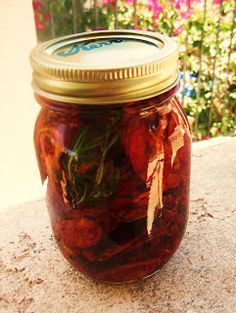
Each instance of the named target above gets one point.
<point>47,16</point>
<point>156,7</point>
<point>217,2</point>
<point>179,3</point>
<point>36,5</point>
<point>137,27</point>
<point>38,24</point>
<point>178,30</point>
<point>129,1</point>
<point>185,3</point>
<point>186,14</point>
<point>41,18</point>
<point>106,2</point>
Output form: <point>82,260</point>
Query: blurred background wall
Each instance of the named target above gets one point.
<point>19,178</point>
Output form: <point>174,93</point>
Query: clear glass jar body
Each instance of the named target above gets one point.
<point>118,183</point>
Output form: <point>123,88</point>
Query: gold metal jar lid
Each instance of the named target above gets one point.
<point>105,67</point>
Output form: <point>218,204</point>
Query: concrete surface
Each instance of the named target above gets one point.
<point>34,277</point>
<point>19,177</point>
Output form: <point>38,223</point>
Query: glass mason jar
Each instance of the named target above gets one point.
<point>114,143</point>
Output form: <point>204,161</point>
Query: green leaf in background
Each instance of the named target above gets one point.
<point>216,83</point>
<point>67,4</point>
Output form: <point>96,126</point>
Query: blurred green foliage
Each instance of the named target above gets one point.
<point>207,46</point>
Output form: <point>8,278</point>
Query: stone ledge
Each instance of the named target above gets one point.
<point>34,277</point>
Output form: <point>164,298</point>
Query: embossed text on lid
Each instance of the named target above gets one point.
<point>105,66</point>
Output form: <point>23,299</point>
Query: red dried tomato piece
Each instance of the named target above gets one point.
<point>140,146</point>
<point>111,251</point>
<point>84,167</point>
<point>137,208</point>
<point>49,147</point>
<point>138,152</point>
<point>169,202</point>
<point>105,217</point>
<point>172,122</point>
<point>130,272</point>
<point>170,180</point>
<point>119,203</point>
<point>83,232</point>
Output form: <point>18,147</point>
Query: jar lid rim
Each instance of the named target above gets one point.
<point>105,66</point>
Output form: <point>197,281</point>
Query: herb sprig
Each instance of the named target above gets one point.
<point>89,174</point>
